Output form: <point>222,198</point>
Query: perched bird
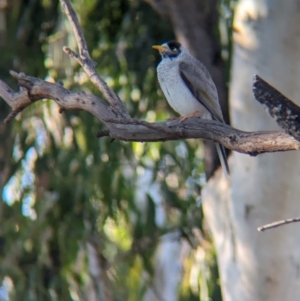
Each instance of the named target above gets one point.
<point>188,87</point>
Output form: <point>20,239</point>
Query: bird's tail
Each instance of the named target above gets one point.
<point>223,158</point>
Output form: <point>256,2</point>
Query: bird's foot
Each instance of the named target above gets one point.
<point>193,115</point>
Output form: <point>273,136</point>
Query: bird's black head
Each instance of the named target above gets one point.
<point>170,49</point>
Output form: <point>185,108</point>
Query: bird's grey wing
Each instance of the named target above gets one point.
<point>200,83</point>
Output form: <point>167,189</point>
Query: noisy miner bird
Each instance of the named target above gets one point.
<point>188,87</point>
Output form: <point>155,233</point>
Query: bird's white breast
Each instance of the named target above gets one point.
<point>176,91</point>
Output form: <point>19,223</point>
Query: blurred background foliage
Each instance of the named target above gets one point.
<point>69,199</point>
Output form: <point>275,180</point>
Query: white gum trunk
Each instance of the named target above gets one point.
<point>259,266</point>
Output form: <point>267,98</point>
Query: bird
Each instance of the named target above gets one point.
<point>189,88</point>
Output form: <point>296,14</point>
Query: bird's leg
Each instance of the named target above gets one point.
<point>193,115</point>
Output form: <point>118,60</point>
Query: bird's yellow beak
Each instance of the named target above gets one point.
<point>159,47</point>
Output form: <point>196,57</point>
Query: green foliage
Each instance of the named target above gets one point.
<point>69,194</point>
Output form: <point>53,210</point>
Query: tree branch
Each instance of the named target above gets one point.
<point>17,101</point>
<point>84,59</point>
<point>129,129</point>
<point>278,224</point>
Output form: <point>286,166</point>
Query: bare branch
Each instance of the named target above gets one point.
<point>278,224</point>
<point>73,55</point>
<point>17,101</point>
<point>285,112</point>
<point>128,129</point>
<point>79,36</point>
<point>88,65</point>
<point>36,89</point>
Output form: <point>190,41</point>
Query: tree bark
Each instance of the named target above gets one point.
<point>254,265</point>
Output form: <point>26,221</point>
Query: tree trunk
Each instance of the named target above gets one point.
<point>253,265</point>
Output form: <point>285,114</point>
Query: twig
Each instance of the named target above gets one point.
<point>84,59</point>
<point>79,36</point>
<point>278,224</point>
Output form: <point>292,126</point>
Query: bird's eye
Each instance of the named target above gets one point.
<point>174,46</point>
